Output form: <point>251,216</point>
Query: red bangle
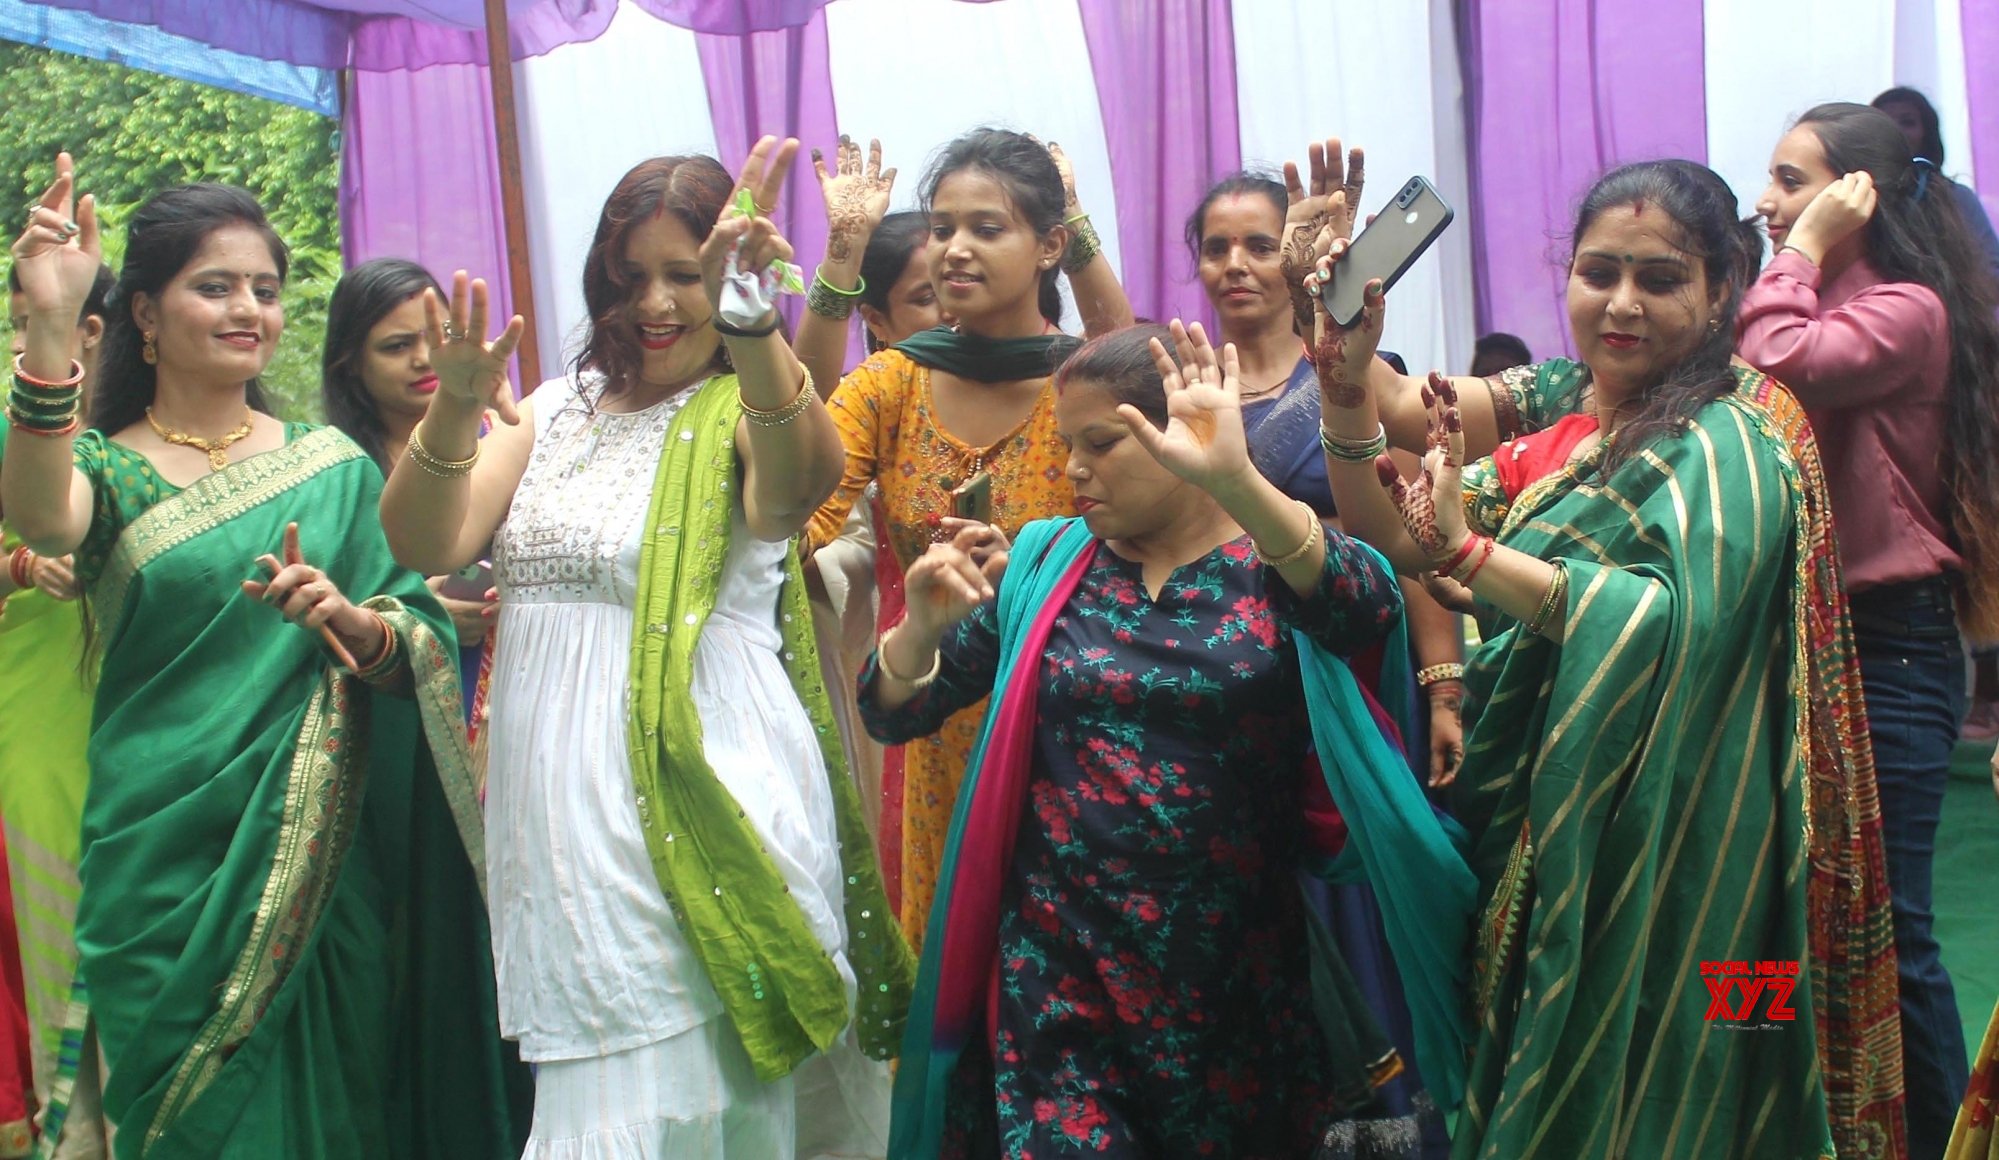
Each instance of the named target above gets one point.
<point>1466,579</point>
<point>75,378</point>
<point>63,432</point>
<point>20,568</point>
<point>1463,554</point>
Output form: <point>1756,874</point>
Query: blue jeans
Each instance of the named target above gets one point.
<point>1912,674</point>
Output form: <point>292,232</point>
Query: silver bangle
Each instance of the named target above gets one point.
<point>1354,450</point>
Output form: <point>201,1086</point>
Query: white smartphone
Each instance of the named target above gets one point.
<point>1386,248</point>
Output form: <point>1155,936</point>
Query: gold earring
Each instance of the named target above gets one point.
<point>148,351</point>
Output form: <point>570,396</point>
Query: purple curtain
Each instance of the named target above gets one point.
<point>1165,72</point>
<point>420,177</point>
<point>1557,93</point>
<point>734,17</point>
<point>778,82</point>
<point>1981,43</point>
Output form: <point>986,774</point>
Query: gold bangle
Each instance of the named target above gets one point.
<point>1435,673</point>
<point>1312,534</point>
<point>1084,245</point>
<point>441,468</point>
<point>786,413</point>
<point>881,663</point>
<point>1551,602</point>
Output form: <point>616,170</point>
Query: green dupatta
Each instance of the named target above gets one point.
<point>1637,800</point>
<point>281,921</point>
<point>784,994</point>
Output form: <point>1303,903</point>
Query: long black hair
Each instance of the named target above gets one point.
<point>895,241</point>
<point>165,234</point>
<point>1917,235</point>
<point>364,296</point>
<point>1728,248</point>
<point>1025,170</point>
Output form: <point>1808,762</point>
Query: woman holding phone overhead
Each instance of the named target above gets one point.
<point>280,923</point>
<point>1676,776</point>
<point>970,409</point>
<point>690,935</point>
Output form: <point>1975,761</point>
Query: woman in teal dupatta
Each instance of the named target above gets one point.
<point>1121,962</point>
<point>1683,932</point>
<point>280,920</point>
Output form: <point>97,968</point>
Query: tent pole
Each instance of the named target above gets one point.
<point>506,133</point>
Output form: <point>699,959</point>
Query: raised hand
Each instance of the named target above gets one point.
<point>58,254</point>
<point>944,585</point>
<point>1331,199</point>
<point>1836,213</point>
<point>763,179</point>
<point>856,196</point>
<point>1432,507</point>
<point>1342,355</point>
<point>467,366</point>
<point>1203,442</point>
<point>1071,204</point>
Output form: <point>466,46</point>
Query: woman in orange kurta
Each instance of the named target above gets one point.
<point>932,412</point>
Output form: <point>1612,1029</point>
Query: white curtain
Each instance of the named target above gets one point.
<point>588,113</point>
<point>1384,77</point>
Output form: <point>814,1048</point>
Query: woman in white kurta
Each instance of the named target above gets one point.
<point>643,1050</point>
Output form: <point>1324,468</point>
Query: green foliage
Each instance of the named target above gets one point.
<point>134,132</point>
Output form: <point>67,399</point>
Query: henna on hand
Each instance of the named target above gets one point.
<point>1417,507</point>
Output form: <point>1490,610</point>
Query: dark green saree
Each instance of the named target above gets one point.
<point>281,921</point>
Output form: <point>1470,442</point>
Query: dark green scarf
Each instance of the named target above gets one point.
<point>988,360</point>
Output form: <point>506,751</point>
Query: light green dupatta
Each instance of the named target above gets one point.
<point>783,993</point>
<point>281,922</point>
<point>44,727</point>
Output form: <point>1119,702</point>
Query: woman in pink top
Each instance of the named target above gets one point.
<point>1878,312</point>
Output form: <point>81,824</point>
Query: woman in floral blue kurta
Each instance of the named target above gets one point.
<point>1154,967</point>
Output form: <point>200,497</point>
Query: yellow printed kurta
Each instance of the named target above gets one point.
<point>884,413</point>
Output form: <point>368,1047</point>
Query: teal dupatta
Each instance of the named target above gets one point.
<point>1409,854</point>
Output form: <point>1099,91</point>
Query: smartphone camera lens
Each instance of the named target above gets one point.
<point>1408,194</point>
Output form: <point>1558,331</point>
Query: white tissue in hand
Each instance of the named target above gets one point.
<point>746,297</point>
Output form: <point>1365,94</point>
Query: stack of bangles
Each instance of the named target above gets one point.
<point>50,410</point>
<point>383,666</point>
<point>829,301</point>
<point>1347,450</point>
<point>1466,563</point>
<point>786,413</point>
<point>441,468</point>
<point>21,568</point>
<point>1084,245</point>
<point>1553,601</point>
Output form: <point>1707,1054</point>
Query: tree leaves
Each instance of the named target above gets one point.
<point>134,133</point>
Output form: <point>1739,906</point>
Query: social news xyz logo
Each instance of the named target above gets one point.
<point>1736,990</point>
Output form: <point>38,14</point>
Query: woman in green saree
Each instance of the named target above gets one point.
<point>1666,779</point>
<point>280,919</point>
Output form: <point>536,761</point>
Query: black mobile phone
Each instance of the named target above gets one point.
<point>1386,248</point>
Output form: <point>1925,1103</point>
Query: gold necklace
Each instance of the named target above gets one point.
<point>217,449</point>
